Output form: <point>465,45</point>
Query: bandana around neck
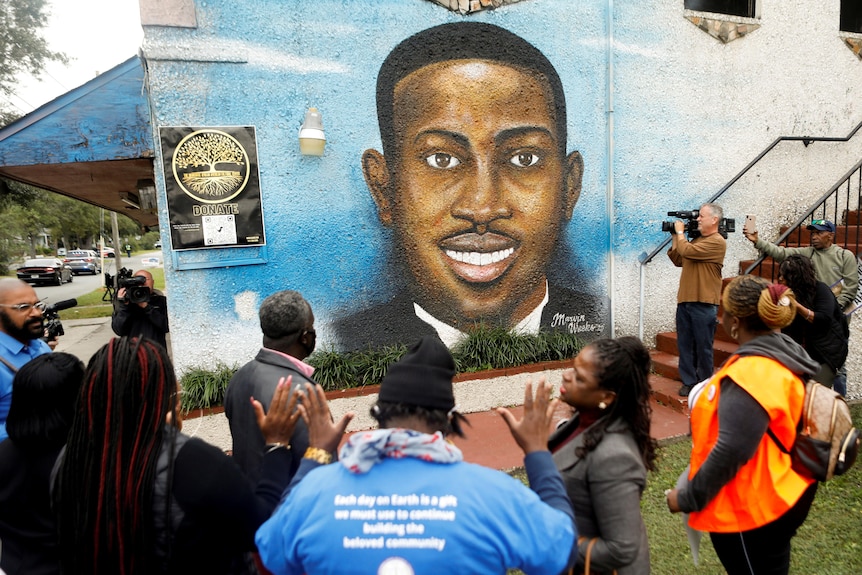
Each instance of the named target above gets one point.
<point>363,450</point>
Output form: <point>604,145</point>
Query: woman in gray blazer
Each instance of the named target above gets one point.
<point>604,451</point>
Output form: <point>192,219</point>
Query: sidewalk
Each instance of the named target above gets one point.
<point>84,337</point>
<point>488,440</point>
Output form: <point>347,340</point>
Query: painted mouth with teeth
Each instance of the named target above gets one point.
<point>479,258</point>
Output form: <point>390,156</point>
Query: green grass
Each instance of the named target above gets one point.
<point>828,543</point>
<point>93,304</point>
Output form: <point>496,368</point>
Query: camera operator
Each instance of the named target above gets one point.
<point>140,310</point>
<point>21,329</point>
<point>699,294</point>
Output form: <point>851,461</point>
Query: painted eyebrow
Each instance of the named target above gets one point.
<point>510,133</point>
<point>461,139</point>
<point>500,138</point>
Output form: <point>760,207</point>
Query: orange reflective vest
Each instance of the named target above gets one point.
<point>766,486</point>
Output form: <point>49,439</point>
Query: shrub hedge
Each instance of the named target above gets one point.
<point>485,348</point>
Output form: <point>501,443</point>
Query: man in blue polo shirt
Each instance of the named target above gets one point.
<point>21,326</point>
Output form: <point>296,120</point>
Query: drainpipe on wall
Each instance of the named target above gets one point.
<point>610,189</point>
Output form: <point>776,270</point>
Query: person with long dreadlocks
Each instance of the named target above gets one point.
<point>604,451</point>
<point>133,495</point>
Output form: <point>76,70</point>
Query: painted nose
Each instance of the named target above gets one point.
<point>482,199</point>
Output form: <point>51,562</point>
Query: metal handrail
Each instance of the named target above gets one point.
<point>797,226</point>
<point>644,259</point>
<point>806,140</point>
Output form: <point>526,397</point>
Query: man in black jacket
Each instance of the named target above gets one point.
<point>287,323</point>
<point>147,318</point>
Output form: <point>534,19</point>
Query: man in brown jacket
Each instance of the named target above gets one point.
<point>699,294</point>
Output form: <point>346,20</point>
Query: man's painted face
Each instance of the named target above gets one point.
<point>479,190</point>
<point>23,325</point>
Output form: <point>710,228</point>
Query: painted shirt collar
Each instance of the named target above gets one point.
<point>451,336</point>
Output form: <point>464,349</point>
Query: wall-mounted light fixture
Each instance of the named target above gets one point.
<point>311,137</point>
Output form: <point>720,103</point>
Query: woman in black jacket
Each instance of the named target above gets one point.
<point>819,325</point>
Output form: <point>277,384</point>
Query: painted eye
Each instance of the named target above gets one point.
<point>442,161</point>
<point>524,159</point>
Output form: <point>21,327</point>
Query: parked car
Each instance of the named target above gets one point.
<point>158,244</point>
<point>45,271</point>
<point>61,252</point>
<point>108,253</point>
<point>84,262</point>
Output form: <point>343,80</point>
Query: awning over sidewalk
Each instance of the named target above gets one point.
<point>93,143</point>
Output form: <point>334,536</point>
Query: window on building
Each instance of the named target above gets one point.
<point>851,16</point>
<point>745,8</point>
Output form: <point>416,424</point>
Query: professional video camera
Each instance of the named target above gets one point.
<point>136,290</point>
<point>53,325</point>
<point>725,226</point>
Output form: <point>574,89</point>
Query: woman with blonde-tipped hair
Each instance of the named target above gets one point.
<point>741,487</point>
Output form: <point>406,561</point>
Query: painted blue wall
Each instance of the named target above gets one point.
<point>689,112</point>
<point>323,235</point>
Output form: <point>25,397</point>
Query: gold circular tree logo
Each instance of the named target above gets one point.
<point>210,166</point>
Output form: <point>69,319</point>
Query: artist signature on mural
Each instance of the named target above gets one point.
<point>576,323</point>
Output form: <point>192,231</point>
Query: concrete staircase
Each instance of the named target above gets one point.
<point>665,380</point>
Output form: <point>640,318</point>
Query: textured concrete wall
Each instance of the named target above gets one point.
<point>689,112</point>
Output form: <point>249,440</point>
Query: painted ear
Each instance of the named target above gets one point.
<point>572,178</point>
<point>377,179</point>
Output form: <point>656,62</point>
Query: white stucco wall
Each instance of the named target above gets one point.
<point>714,108</point>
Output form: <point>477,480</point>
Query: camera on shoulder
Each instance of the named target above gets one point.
<point>725,226</point>
<point>136,288</point>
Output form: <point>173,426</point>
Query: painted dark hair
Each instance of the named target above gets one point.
<point>623,366</point>
<point>44,392</point>
<point>461,41</point>
<point>104,489</point>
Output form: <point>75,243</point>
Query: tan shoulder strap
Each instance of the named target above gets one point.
<point>9,365</point>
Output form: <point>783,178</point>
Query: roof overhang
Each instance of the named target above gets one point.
<point>93,143</point>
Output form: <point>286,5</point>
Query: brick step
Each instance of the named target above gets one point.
<point>852,217</point>
<point>666,392</point>
<point>665,364</point>
<point>853,245</point>
<point>667,422</point>
<point>666,343</point>
<point>768,268</point>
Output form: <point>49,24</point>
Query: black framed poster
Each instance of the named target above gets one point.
<point>213,186</point>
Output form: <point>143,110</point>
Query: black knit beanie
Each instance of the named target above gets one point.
<point>422,377</point>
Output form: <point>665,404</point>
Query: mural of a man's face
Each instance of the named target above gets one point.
<point>479,187</point>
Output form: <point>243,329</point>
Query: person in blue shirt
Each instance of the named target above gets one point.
<point>21,326</point>
<point>402,500</point>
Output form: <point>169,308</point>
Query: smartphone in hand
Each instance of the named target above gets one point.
<point>750,226</point>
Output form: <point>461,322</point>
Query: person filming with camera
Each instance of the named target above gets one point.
<point>139,309</point>
<point>701,260</point>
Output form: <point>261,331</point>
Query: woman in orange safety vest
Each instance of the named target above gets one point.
<point>741,486</point>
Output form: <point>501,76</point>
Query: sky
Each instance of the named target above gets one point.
<point>95,34</point>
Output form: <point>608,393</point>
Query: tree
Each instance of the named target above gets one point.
<point>23,49</point>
